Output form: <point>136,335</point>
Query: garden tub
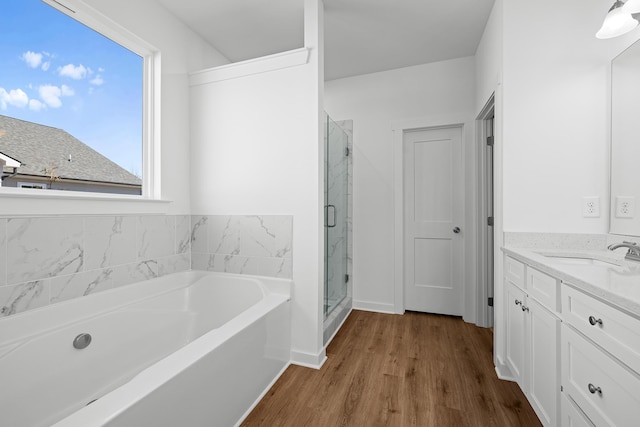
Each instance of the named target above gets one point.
<point>187,349</point>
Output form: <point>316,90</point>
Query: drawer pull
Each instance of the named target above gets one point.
<point>593,389</point>
<point>518,302</point>
<point>595,321</point>
<point>525,308</point>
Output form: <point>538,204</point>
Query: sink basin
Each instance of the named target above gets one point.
<point>580,260</point>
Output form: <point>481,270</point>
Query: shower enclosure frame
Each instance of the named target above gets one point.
<point>337,222</point>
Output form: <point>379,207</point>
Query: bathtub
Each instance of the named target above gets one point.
<point>187,349</point>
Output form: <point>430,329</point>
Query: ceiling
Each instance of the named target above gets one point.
<point>361,36</point>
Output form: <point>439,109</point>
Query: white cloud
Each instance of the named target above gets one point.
<point>66,91</point>
<point>32,59</point>
<point>97,80</point>
<point>46,65</point>
<point>76,73</point>
<point>15,97</point>
<point>51,94</point>
<point>36,105</point>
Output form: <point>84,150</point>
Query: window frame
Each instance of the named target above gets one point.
<point>30,185</point>
<point>151,114</point>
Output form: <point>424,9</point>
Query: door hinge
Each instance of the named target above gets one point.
<point>490,301</point>
<point>346,278</point>
<point>347,151</point>
<point>490,141</point>
<point>490,221</point>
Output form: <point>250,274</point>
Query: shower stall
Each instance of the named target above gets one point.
<point>337,301</point>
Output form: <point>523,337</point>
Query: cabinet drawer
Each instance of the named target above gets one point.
<point>613,330</point>
<point>544,288</point>
<point>514,271</point>
<point>571,415</point>
<point>606,391</point>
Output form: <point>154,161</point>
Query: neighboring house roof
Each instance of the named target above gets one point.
<point>39,148</point>
<point>9,161</point>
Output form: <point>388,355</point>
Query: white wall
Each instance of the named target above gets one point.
<point>552,116</point>
<point>374,102</point>
<point>489,58</point>
<point>256,149</point>
<point>182,52</point>
<point>556,108</point>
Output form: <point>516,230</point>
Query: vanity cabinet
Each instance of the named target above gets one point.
<point>576,357</point>
<point>532,336</point>
<point>571,415</point>
<point>600,359</point>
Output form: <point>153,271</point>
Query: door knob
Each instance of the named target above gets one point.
<point>456,230</point>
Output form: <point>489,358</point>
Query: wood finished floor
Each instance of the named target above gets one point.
<point>390,370</point>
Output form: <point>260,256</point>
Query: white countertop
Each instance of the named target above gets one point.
<point>618,285</point>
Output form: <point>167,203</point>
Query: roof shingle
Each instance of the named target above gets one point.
<point>40,148</point>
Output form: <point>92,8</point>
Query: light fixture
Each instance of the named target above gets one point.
<point>632,7</point>
<point>619,20</point>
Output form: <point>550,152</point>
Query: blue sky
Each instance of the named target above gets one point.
<point>57,72</point>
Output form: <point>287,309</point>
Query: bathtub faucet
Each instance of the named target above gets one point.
<point>633,252</point>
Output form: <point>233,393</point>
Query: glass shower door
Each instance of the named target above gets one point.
<point>335,215</point>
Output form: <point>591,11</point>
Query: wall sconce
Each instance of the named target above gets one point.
<point>622,18</point>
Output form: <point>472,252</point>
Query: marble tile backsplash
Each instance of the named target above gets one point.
<point>257,244</point>
<point>565,241</point>
<point>44,260</point>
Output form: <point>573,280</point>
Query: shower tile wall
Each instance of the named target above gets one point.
<point>44,260</point>
<point>258,244</point>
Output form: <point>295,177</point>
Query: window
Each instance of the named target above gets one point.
<point>32,185</point>
<point>76,101</point>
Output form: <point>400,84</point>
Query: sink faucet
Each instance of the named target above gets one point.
<point>633,252</point>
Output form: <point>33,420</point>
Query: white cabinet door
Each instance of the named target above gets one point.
<point>606,391</point>
<point>544,362</point>
<point>516,332</point>
<point>572,416</point>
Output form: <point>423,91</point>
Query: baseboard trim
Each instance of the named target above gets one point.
<point>308,360</point>
<point>374,306</point>
<point>337,329</point>
<point>504,373</point>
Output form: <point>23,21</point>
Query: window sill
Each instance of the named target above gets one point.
<point>73,195</point>
<point>18,202</point>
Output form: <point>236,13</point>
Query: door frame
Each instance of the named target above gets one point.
<point>469,285</point>
<point>485,316</point>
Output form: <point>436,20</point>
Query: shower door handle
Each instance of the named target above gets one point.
<point>333,214</point>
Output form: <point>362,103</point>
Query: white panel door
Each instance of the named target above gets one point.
<point>433,215</point>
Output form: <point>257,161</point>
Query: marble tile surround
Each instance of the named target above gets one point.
<point>252,244</point>
<point>44,260</point>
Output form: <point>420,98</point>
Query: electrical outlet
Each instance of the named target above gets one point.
<point>591,207</point>
<point>625,207</point>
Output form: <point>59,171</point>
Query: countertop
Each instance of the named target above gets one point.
<point>617,285</point>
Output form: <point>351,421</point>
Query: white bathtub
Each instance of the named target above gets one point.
<point>188,349</point>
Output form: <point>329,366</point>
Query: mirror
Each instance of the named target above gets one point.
<point>625,142</point>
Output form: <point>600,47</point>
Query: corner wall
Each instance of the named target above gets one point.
<point>256,149</point>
